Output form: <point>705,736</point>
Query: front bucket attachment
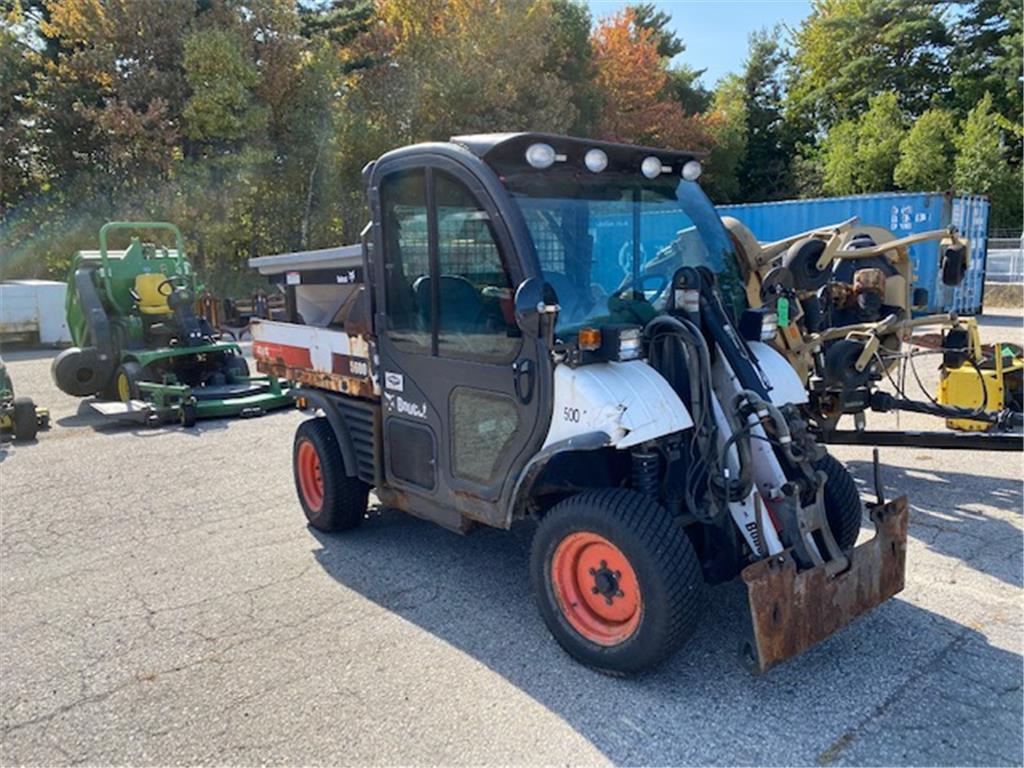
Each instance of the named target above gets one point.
<point>791,611</point>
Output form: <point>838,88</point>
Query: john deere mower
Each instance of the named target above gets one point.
<point>19,417</point>
<point>141,348</point>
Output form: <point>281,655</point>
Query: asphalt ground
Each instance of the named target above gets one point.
<point>163,602</point>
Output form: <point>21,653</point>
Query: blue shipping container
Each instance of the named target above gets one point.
<point>902,212</point>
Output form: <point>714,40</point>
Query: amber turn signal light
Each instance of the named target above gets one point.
<point>589,339</point>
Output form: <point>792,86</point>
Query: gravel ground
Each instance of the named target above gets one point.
<point>163,603</point>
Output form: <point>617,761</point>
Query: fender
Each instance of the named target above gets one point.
<point>629,402</point>
<point>323,401</point>
<point>519,502</point>
<point>786,386</point>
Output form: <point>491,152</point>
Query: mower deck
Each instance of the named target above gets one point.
<point>169,402</point>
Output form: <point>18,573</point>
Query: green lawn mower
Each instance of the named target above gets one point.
<point>19,417</point>
<point>141,348</point>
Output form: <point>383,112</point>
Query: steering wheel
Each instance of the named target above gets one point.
<point>166,288</point>
<point>657,289</point>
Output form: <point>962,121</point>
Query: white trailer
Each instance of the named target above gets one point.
<point>34,309</point>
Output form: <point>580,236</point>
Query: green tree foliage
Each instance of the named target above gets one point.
<point>981,168</point>
<point>927,152</point>
<point>248,121</point>
<point>221,106</point>
<point>838,157</point>
<point>986,57</point>
<point>861,155</point>
<point>880,131</point>
<point>727,124</point>
<point>850,50</point>
<point>766,170</point>
<point>571,57</point>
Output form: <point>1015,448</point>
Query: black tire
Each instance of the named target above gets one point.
<point>76,372</point>
<point>802,261</point>
<point>126,381</point>
<point>236,365</point>
<point>24,418</point>
<point>843,507</point>
<point>331,500</point>
<point>188,415</point>
<point>667,574</point>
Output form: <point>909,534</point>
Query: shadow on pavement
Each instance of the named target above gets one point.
<point>997,320</point>
<point>945,514</point>
<point>703,706</point>
<point>87,417</point>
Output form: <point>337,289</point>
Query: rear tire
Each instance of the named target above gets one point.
<point>843,508</point>
<point>616,580</point>
<point>331,500</point>
<point>24,418</point>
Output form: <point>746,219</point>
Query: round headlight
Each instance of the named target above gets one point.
<point>595,160</point>
<point>540,156</point>
<point>691,170</point>
<point>651,167</point>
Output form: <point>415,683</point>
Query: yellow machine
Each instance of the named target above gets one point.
<point>989,380</point>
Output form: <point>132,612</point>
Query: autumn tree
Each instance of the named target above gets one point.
<point>632,76</point>
<point>683,83</point>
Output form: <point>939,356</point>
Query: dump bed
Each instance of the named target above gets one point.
<point>327,340</point>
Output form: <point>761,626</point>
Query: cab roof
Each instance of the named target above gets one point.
<point>489,145</point>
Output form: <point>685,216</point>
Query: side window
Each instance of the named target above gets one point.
<point>477,319</point>
<point>406,259</point>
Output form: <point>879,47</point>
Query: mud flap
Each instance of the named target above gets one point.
<point>791,611</point>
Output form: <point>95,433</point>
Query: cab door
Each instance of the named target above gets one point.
<point>460,395</point>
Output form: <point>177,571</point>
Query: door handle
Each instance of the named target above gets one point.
<point>523,376</point>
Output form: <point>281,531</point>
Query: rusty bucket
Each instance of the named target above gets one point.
<point>791,610</point>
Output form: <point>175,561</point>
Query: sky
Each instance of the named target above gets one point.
<point>715,31</point>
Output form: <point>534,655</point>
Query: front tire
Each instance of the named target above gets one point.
<point>126,381</point>
<point>616,580</point>
<point>24,417</point>
<point>843,508</point>
<point>331,500</point>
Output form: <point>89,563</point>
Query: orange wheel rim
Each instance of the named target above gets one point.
<point>596,588</point>
<point>311,481</point>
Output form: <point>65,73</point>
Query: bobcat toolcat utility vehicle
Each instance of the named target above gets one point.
<point>537,326</point>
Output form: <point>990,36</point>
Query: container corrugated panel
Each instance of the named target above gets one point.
<point>901,212</point>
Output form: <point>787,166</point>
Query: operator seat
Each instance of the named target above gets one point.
<point>147,294</point>
<point>462,308</point>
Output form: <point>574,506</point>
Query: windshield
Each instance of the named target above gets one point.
<point>610,245</point>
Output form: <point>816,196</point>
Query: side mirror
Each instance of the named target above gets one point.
<point>954,262</point>
<point>529,297</point>
<point>530,305</point>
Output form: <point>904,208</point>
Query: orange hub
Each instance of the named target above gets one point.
<point>307,467</point>
<point>596,588</point>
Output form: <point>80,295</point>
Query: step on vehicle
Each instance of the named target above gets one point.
<point>19,416</point>
<point>141,347</point>
<point>537,326</point>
